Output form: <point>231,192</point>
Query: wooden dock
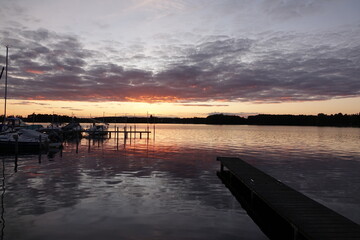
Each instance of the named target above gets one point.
<point>127,134</point>
<point>280,211</point>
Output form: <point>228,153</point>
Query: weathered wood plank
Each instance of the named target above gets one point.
<point>277,207</point>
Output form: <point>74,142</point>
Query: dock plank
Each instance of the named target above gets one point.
<point>277,207</point>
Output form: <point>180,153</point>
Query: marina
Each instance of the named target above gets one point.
<point>17,137</point>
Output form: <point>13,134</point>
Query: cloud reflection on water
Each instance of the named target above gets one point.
<point>128,193</point>
<point>167,187</point>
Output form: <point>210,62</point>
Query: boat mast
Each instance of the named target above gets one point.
<point>2,70</point>
<point>6,73</point>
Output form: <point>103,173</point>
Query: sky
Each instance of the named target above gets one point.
<point>181,58</point>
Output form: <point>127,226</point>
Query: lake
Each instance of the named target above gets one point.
<point>166,187</point>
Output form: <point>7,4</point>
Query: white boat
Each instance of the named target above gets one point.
<point>14,123</point>
<point>23,140</point>
<point>54,126</point>
<point>98,130</point>
<point>11,124</point>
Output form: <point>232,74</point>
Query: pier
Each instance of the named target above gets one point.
<point>280,211</point>
<point>127,134</point>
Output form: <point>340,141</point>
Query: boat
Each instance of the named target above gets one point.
<point>98,129</point>
<point>11,124</point>
<point>14,123</point>
<point>52,128</point>
<point>72,130</point>
<point>23,140</point>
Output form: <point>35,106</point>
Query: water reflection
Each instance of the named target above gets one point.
<point>105,186</point>
<point>167,188</point>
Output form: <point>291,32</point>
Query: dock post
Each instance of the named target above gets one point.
<point>117,138</point>
<point>89,145</point>
<point>40,142</point>
<point>140,134</point>
<point>134,131</point>
<point>154,132</point>
<point>39,158</point>
<point>16,150</point>
<point>16,163</point>
<point>130,133</point>
<point>40,148</point>
<point>77,143</point>
<point>16,137</point>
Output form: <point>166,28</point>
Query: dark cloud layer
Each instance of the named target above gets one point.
<point>275,67</point>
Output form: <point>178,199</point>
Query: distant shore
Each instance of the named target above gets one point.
<point>337,120</point>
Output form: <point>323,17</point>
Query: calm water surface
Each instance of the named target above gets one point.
<point>166,187</point>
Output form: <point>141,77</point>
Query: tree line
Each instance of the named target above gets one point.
<point>339,119</point>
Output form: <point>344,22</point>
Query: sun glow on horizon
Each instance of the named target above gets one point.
<point>178,109</point>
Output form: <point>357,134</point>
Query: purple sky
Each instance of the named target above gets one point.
<point>187,53</point>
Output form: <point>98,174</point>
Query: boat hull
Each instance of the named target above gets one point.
<point>22,147</point>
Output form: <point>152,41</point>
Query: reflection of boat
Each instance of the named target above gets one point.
<point>55,145</point>
<point>23,140</point>
<point>98,130</point>
<point>72,130</point>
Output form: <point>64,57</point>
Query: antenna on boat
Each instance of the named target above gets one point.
<point>6,71</point>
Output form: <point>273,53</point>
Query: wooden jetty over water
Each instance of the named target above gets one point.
<point>126,133</point>
<point>280,211</point>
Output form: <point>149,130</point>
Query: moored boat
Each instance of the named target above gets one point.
<point>23,140</point>
<point>98,130</point>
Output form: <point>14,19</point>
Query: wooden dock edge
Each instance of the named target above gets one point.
<point>280,211</point>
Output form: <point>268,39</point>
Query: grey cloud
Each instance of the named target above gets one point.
<point>72,109</point>
<point>275,67</point>
<point>31,103</point>
<point>285,9</point>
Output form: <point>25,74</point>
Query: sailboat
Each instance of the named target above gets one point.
<point>15,136</point>
<point>23,140</point>
<point>98,129</point>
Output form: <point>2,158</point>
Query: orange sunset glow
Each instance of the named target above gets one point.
<point>34,71</point>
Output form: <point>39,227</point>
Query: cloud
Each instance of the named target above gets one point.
<point>202,105</point>
<point>34,71</point>
<point>269,68</point>
<point>286,9</point>
<point>31,103</point>
<point>72,109</point>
